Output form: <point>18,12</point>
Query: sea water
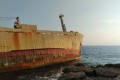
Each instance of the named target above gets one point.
<point>100,55</point>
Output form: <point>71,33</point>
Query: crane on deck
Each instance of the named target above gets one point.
<point>16,23</point>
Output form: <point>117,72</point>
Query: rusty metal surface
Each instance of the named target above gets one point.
<point>28,47</point>
<point>18,60</point>
<point>28,37</point>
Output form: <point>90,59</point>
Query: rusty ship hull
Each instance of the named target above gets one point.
<point>28,47</point>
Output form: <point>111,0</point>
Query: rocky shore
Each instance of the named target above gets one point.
<point>85,72</point>
<point>72,70</point>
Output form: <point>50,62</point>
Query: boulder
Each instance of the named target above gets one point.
<point>79,64</point>
<point>97,78</point>
<point>72,76</point>
<point>112,65</point>
<point>70,69</point>
<point>118,76</point>
<point>87,69</point>
<point>107,72</point>
<point>85,72</point>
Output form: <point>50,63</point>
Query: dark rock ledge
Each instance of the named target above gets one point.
<point>85,72</point>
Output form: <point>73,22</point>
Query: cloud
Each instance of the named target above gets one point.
<point>112,21</point>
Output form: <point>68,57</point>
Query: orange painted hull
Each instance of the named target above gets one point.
<point>25,59</point>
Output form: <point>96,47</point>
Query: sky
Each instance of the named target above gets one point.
<point>97,20</point>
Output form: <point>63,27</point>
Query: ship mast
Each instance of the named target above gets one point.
<point>62,23</point>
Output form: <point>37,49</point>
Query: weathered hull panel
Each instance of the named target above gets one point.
<point>19,60</point>
<point>28,47</point>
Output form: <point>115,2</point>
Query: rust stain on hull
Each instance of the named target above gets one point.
<point>24,59</point>
<point>16,40</point>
